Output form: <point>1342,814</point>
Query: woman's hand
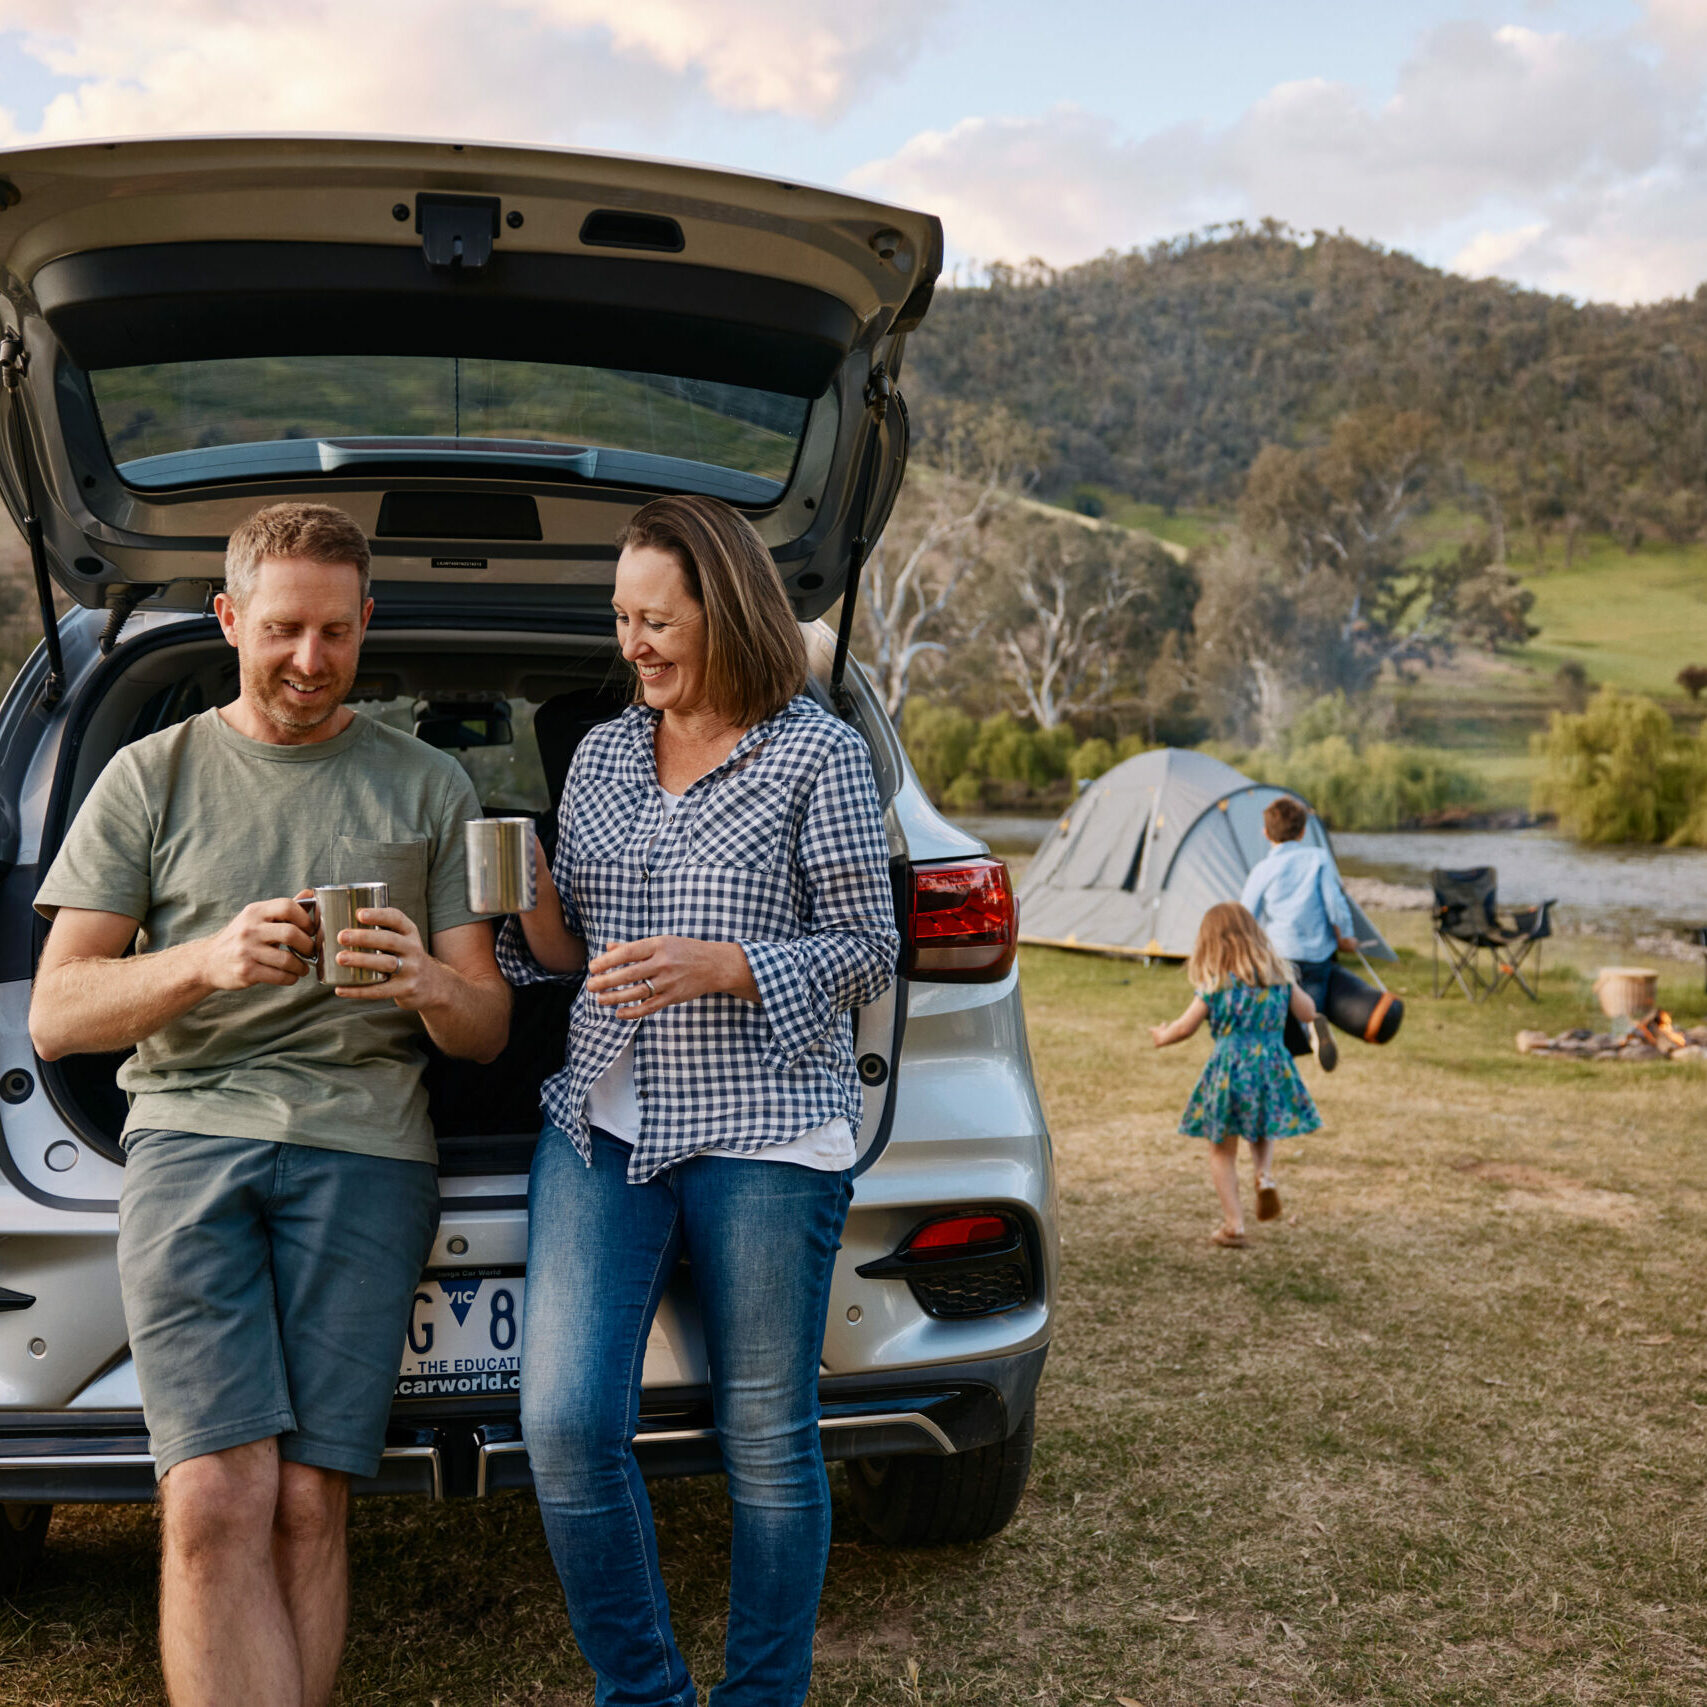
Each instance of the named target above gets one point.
<point>389,943</point>
<point>640,978</point>
<point>1161,1035</point>
<point>548,938</point>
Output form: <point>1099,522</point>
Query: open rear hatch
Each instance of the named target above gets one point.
<point>490,356</point>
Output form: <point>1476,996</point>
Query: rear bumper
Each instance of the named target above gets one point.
<point>444,1451</point>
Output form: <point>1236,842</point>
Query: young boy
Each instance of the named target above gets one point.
<point>1295,894</point>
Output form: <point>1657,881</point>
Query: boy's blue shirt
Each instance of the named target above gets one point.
<point>1294,892</point>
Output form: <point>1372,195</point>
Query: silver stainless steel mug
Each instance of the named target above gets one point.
<point>501,873</point>
<point>334,909</point>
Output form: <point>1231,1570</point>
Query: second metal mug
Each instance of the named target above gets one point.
<point>334,909</point>
<point>501,873</point>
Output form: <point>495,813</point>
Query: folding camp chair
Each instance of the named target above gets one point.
<point>1484,953</point>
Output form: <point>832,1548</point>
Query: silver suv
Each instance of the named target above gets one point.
<point>491,357</point>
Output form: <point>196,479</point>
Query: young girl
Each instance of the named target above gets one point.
<point>1249,1089</point>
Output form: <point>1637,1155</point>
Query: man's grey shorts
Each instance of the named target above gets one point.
<point>267,1290</point>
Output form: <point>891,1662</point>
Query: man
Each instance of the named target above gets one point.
<point>1294,892</point>
<point>280,1195</point>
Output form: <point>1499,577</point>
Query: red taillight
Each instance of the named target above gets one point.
<point>960,1231</point>
<point>961,928</point>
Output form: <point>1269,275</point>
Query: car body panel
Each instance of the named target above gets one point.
<point>955,1121</point>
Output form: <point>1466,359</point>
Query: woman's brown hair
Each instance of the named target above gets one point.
<point>1231,947</point>
<point>755,659</point>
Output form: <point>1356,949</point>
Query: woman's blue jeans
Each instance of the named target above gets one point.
<point>761,1239</point>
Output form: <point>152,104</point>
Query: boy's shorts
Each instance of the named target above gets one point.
<point>267,1290</point>
<point>1311,976</point>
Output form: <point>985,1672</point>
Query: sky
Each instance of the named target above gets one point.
<point>1558,143</point>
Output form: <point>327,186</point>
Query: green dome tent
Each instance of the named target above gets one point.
<point>1146,850</point>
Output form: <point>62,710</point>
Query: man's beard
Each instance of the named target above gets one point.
<point>279,706</point>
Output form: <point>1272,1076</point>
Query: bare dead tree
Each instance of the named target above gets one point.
<point>974,459</point>
<point>1060,630</point>
<point>911,583</point>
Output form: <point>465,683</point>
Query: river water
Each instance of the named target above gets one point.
<point>1663,888</point>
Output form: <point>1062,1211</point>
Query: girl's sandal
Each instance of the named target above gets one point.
<point>1268,1203</point>
<point>1226,1237</point>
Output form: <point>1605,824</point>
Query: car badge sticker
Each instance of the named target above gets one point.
<point>460,1295</point>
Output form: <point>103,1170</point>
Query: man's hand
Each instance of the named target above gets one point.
<point>89,995</point>
<point>269,942</point>
<point>390,943</point>
<point>639,978</point>
<point>1348,944</point>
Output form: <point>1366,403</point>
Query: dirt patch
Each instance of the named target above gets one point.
<point>1515,1174</point>
<point>841,1639</point>
<point>1539,1189</point>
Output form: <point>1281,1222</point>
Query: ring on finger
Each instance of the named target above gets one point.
<point>651,988</point>
<point>396,964</point>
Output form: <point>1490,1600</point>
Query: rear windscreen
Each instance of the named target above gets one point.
<point>185,423</point>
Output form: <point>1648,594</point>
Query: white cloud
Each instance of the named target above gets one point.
<point>1679,26</point>
<point>1494,252</point>
<point>1565,159</point>
<point>1062,186</point>
<point>804,58</point>
<point>534,70</point>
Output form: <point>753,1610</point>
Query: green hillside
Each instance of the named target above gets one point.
<point>1162,373</point>
<point>1629,618</point>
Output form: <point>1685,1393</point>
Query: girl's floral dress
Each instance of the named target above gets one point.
<point>1249,1088</point>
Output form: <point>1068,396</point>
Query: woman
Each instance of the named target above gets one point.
<point>721,852</point>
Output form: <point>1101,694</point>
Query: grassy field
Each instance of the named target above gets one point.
<point>1437,1438</point>
<point>1629,619</point>
<point>1190,528</point>
<point>1633,619</point>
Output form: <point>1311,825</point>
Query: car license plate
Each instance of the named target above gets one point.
<point>465,1336</point>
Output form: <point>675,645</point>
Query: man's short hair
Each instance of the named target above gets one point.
<point>1284,819</point>
<point>317,532</point>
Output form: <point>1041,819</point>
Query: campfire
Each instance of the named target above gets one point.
<point>1641,1029</point>
<point>1654,1039</point>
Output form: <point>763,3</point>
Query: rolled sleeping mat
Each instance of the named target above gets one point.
<point>1362,1010</point>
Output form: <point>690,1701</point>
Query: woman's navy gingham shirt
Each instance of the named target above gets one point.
<point>780,849</point>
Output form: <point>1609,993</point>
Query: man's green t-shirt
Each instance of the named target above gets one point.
<point>183,830</point>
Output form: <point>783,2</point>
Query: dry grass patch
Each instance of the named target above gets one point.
<point>1436,1438</point>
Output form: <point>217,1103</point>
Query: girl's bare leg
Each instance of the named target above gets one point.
<point>1224,1170</point>
<point>1262,1159</point>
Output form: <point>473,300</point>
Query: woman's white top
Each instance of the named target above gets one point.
<point>613,1106</point>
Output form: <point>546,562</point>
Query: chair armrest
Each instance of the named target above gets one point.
<point>1533,921</point>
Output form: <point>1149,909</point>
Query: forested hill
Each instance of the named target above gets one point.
<point>1164,372</point>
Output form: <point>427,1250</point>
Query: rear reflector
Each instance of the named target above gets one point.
<point>959,1232</point>
<point>970,1262</point>
<point>961,923</point>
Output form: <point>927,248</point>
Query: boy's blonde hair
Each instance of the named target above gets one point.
<point>1232,948</point>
